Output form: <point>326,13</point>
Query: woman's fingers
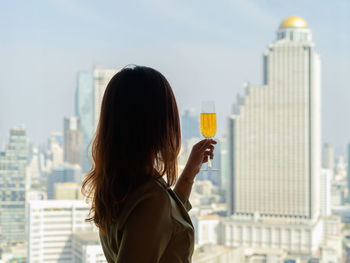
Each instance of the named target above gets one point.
<point>205,141</point>
<point>200,153</point>
<point>205,144</point>
<point>206,154</point>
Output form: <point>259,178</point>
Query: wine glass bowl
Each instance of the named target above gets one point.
<point>208,125</point>
<point>208,122</point>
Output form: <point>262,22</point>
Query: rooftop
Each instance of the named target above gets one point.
<point>294,21</point>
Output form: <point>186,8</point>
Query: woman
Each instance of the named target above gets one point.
<point>136,144</point>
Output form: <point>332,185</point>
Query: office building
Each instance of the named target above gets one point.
<point>63,174</point>
<point>222,254</point>
<point>207,229</point>
<point>36,194</point>
<point>87,248</point>
<point>58,137</point>
<point>84,109</point>
<point>53,156</point>
<point>340,170</point>
<point>190,124</point>
<point>51,224</point>
<point>328,156</point>
<point>101,78</point>
<point>326,190</point>
<point>67,191</point>
<point>209,253</point>
<point>33,169</point>
<point>224,167</point>
<point>274,145</point>
<point>13,164</point>
<point>73,140</point>
<point>275,132</point>
<point>348,174</point>
<point>294,235</point>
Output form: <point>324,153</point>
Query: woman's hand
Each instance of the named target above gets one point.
<point>198,156</point>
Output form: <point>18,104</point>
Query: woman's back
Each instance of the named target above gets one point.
<point>153,227</point>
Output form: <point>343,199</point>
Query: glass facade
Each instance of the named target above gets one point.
<point>84,110</point>
<point>13,162</point>
<point>190,124</point>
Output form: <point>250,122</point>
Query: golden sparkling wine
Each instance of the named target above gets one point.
<point>208,124</point>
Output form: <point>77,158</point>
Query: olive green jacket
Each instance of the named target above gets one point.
<point>154,227</point>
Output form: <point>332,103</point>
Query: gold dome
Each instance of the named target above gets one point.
<point>294,21</point>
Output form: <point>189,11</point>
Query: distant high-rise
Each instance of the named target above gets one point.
<point>325,192</point>
<point>224,170</point>
<point>348,173</point>
<point>72,140</point>
<point>86,247</point>
<point>101,77</point>
<point>328,156</point>
<point>68,191</point>
<point>55,149</point>
<point>84,109</point>
<point>63,174</point>
<point>58,137</point>
<point>190,124</point>
<point>51,224</point>
<point>275,132</point>
<point>13,163</point>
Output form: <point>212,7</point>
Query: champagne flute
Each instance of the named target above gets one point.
<point>208,123</point>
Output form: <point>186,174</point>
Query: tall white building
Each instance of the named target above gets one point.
<point>73,140</point>
<point>275,132</point>
<point>325,194</point>
<point>101,77</point>
<point>328,156</point>
<point>51,224</point>
<point>274,145</point>
<point>54,155</point>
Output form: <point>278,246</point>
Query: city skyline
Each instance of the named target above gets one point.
<point>181,42</point>
<point>274,194</point>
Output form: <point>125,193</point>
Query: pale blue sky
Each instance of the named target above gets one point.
<point>206,49</point>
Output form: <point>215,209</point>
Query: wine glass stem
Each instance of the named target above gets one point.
<point>209,162</point>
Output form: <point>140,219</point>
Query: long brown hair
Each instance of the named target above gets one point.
<point>138,136</point>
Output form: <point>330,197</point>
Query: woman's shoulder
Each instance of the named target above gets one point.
<point>151,188</point>
<point>150,193</point>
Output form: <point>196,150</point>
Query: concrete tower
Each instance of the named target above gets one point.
<point>85,111</point>
<point>72,140</point>
<point>275,132</point>
<point>101,78</point>
<point>13,164</point>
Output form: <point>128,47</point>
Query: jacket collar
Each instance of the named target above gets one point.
<point>177,200</point>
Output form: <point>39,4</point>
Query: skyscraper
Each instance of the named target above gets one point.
<point>275,132</point>
<point>72,140</point>
<point>68,191</point>
<point>101,77</point>
<point>63,174</point>
<point>328,156</point>
<point>84,109</point>
<point>325,192</point>
<point>274,145</point>
<point>13,163</point>
<point>55,149</point>
<point>348,173</point>
<point>190,124</point>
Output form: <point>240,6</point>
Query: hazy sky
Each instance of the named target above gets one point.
<point>206,49</point>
